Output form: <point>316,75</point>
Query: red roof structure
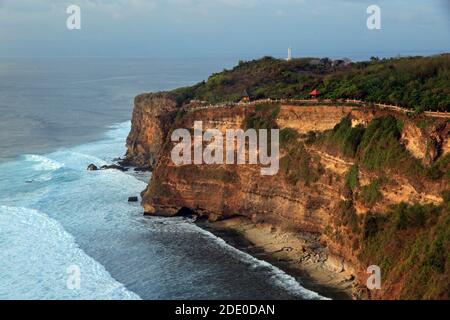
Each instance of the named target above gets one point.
<point>314,93</point>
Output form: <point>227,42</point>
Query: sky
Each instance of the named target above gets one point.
<point>223,28</point>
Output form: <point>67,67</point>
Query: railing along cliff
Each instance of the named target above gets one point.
<point>360,103</point>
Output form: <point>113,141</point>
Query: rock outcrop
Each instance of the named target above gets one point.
<point>152,118</point>
<point>92,167</point>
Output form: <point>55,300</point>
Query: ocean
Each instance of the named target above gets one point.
<point>56,117</point>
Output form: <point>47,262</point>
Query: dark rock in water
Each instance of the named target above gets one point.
<point>92,167</point>
<point>143,169</point>
<point>123,162</point>
<point>133,199</point>
<point>114,167</point>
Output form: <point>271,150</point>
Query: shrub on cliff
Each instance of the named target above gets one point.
<point>298,166</point>
<point>352,178</point>
<point>411,244</point>
<point>347,215</point>
<point>440,169</point>
<point>381,150</point>
<point>288,139</point>
<point>370,194</point>
<point>264,117</point>
<point>344,138</point>
<point>380,145</point>
<point>371,225</point>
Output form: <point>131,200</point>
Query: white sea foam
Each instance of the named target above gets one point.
<point>36,251</point>
<point>43,163</point>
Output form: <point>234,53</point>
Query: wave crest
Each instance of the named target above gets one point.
<point>43,163</point>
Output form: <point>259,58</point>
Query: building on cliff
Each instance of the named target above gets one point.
<point>245,97</point>
<point>314,94</point>
<point>289,57</point>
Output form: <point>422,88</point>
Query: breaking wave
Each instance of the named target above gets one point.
<point>36,266</point>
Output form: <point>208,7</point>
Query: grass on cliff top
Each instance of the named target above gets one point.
<point>420,83</point>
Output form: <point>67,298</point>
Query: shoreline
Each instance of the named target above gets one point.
<point>299,255</point>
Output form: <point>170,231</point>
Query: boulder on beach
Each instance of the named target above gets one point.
<point>92,167</point>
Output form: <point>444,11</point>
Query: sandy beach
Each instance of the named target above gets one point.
<point>299,255</point>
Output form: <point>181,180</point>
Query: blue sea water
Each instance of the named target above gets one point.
<point>54,214</point>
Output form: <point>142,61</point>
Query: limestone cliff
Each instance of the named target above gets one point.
<point>151,121</point>
<point>308,202</point>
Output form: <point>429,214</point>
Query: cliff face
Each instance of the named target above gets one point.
<point>220,191</point>
<point>152,116</point>
<point>309,203</point>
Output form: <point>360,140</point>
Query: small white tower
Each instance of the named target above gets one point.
<point>289,58</point>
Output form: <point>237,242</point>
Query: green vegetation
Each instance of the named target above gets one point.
<point>371,194</point>
<point>424,123</point>
<point>352,178</point>
<point>264,117</point>
<point>378,148</point>
<point>298,165</point>
<point>345,138</point>
<point>440,169</point>
<point>288,139</point>
<point>411,244</point>
<point>347,215</point>
<point>418,83</point>
<point>380,145</point>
